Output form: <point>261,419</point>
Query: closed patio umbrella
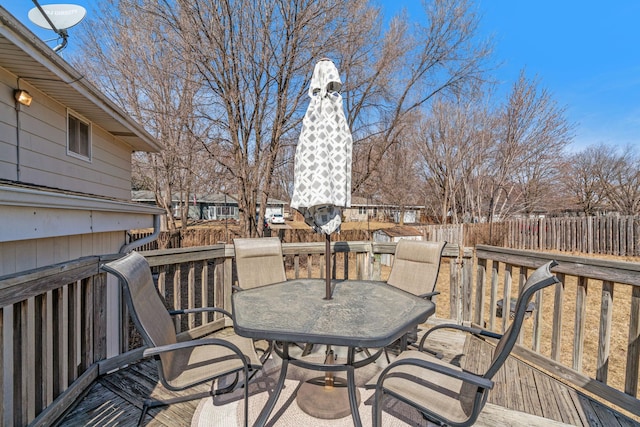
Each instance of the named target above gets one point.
<point>322,173</point>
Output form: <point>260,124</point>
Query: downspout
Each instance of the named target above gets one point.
<point>150,238</point>
<point>18,126</point>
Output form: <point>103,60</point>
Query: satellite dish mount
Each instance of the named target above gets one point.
<point>57,17</point>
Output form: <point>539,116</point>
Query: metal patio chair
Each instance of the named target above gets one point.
<point>259,262</point>
<point>184,364</point>
<point>444,393</point>
<point>415,269</point>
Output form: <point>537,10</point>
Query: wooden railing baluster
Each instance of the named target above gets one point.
<point>177,296</point>
<point>204,290</point>
<point>604,334</point>
<point>506,297</point>
<point>580,320</point>
<point>556,327</point>
<point>633,348</point>
<point>191,294</point>
<point>493,300</point>
<point>481,283</point>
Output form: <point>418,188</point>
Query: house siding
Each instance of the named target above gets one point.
<point>7,127</point>
<point>43,148</point>
<point>24,255</point>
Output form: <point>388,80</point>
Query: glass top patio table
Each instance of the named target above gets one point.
<point>361,314</point>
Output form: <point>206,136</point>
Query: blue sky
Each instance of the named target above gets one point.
<point>586,53</point>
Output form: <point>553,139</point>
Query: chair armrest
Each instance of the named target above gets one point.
<point>201,310</point>
<point>467,377</point>
<point>469,329</point>
<point>428,295</point>
<point>154,351</point>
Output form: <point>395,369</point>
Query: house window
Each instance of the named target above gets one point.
<point>226,211</point>
<point>78,136</point>
<point>362,210</point>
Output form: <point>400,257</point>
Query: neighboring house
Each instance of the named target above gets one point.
<point>394,234</point>
<point>207,206</point>
<point>65,163</point>
<point>364,209</point>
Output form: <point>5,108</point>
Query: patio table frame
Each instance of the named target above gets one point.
<point>361,314</point>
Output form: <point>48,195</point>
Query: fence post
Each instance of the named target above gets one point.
<point>481,278</point>
<point>466,286</point>
<point>454,292</point>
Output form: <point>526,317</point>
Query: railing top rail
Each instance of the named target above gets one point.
<point>23,285</point>
<point>169,256</point>
<point>594,268</point>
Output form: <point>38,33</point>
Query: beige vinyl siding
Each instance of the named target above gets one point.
<point>7,127</point>
<point>43,148</point>
<point>27,254</point>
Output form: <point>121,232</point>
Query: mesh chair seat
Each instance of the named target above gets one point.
<point>452,396</point>
<point>196,365</point>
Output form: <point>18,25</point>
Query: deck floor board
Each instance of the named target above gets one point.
<point>117,398</point>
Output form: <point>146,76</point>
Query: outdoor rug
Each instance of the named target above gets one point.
<point>227,410</point>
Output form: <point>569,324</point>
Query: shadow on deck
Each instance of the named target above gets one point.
<point>523,395</point>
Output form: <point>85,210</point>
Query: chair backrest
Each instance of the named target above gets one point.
<point>416,265</point>
<point>539,279</point>
<point>259,262</point>
<point>145,305</point>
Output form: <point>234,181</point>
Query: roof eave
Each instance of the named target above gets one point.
<point>40,58</point>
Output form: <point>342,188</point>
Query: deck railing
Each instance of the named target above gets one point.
<point>579,331</point>
<point>53,320</point>
<point>52,330</point>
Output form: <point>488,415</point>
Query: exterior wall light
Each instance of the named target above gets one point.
<point>22,96</point>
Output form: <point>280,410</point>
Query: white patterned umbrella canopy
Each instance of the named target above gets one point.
<point>322,175</point>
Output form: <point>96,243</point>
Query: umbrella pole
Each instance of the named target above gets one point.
<point>327,258</point>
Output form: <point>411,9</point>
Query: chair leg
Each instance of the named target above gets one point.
<point>145,408</point>
<point>154,403</point>
<point>376,409</point>
<point>307,349</point>
<point>227,389</point>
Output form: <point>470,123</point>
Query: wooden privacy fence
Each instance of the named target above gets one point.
<point>610,235</point>
<point>606,235</point>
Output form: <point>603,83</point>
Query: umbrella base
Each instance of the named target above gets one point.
<point>325,402</point>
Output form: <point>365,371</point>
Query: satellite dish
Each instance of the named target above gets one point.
<point>62,16</point>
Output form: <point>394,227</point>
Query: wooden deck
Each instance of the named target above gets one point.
<point>522,394</point>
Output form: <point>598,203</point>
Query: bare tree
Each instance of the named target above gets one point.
<point>129,56</point>
<point>581,182</point>
<point>451,153</point>
<point>618,174</point>
<point>397,179</point>
<point>254,59</point>
<point>392,80</point>
<point>531,135</point>
<point>243,67</point>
